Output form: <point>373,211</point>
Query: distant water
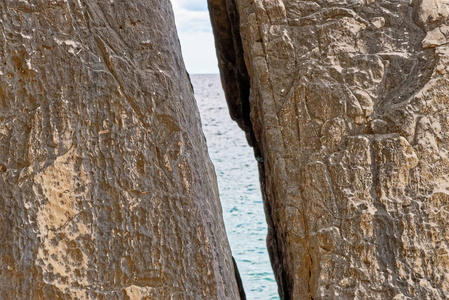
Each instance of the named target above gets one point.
<point>238,182</point>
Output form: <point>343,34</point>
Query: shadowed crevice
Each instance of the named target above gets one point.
<point>234,75</point>
<point>239,280</point>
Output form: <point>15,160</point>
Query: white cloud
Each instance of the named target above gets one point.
<point>195,34</point>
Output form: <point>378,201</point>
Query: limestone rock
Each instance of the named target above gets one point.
<point>348,106</point>
<point>106,188</point>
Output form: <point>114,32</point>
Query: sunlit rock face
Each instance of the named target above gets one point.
<point>106,188</point>
<point>348,107</point>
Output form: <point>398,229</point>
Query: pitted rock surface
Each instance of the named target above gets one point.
<point>348,108</point>
<point>106,188</point>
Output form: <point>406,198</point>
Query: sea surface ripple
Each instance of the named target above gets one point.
<point>238,182</point>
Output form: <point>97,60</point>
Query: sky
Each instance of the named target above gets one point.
<point>195,34</point>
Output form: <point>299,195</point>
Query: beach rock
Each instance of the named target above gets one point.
<point>348,106</point>
<point>106,187</point>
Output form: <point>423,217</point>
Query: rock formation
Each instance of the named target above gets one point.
<point>106,188</point>
<point>346,104</point>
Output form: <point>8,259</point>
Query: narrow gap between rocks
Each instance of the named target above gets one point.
<point>235,164</point>
<point>240,194</point>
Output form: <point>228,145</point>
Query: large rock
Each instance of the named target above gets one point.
<point>106,188</point>
<point>348,114</point>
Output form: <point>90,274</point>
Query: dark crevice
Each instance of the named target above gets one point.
<point>239,281</point>
<point>309,289</point>
<point>274,244</point>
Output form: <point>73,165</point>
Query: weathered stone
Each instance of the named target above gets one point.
<point>106,188</point>
<point>349,109</point>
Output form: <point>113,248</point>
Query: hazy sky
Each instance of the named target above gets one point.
<point>195,34</point>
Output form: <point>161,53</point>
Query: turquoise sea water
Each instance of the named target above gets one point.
<point>238,182</point>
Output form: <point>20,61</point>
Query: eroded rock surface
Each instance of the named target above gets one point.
<point>349,109</point>
<point>106,189</point>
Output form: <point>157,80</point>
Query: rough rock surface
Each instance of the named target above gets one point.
<point>106,188</point>
<point>348,107</point>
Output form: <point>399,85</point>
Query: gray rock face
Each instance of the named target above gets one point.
<point>106,188</point>
<point>348,107</point>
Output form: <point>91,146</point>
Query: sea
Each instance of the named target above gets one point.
<point>238,182</point>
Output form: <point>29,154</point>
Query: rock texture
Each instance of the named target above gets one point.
<point>106,188</point>
<point>348,113</point>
